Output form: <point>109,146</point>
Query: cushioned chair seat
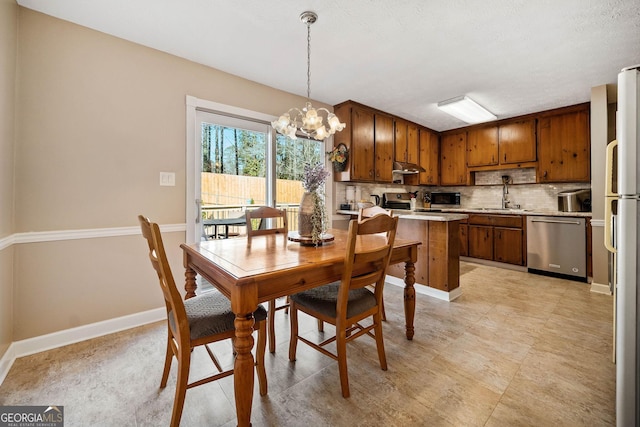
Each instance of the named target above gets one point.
<point>210,314</point>
<point>324,300</point>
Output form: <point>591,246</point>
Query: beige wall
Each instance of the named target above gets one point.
<point>8,42</point>
<point>98,119</point>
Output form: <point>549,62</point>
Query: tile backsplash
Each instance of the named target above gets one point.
<point>487,192</point>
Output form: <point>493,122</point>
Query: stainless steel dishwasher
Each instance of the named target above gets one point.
<point>557,246</point>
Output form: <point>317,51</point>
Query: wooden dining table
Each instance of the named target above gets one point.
<point>269,267</point>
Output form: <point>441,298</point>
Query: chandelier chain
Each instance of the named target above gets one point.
<point>308,60</point>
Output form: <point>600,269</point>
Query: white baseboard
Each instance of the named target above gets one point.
<point>6,361</point>
<point>74,335</point>
<point>426,290</point>
<point>599,288</point>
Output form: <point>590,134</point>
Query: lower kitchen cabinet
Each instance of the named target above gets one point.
<point>481,242</point>
<point>507,245</point>
<point>498,238</point>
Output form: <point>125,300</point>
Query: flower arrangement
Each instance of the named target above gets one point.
<point>311,216</point>
<point>339,156</point>
<point>314,176</point>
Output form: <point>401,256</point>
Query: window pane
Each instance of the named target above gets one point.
<point>233,165</point>
<point>291,156</point>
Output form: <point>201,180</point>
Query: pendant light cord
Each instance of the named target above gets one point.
<point>309,61</point>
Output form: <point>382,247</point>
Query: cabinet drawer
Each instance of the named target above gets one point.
<point>513,221</point>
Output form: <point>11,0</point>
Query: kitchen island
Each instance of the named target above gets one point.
<point>438,266</point>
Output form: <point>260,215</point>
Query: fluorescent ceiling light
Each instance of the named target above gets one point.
<point>466,109</point>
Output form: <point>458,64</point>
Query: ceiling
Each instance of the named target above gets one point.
<point>400,56</point>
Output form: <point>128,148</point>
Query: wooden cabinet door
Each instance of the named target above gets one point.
<point>564,148</point>
<point>481,242</point>
<point>406,142</point>
<point>507,245</point>
<point>517,142</point>
<point>383,148</point>
<point>429,157</point>
<point>362,144</point>
<point>482,146</point>
<point>400,141</point>
<point>464,240</point>
<point>413,145</point>
<point>453,169</point>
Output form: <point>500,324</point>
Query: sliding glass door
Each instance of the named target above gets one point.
<point>241,163</point>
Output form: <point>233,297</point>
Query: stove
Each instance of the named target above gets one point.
<point>396,201</point>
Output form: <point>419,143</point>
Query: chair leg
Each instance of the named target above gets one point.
<point>260,350</point>
<point>184,361</point>
<point>384,314</point>
<point>271,314</point>
<point>379,341</point>
<point>341,347</point>
<point>168,358</point>
<point>293,321</point>
<point>320,326</point>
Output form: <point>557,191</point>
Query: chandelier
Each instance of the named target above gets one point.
<point>308,121</point>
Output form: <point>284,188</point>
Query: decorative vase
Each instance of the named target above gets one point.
<point>305,214</point>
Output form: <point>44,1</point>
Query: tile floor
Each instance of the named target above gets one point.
<point>515,349</point>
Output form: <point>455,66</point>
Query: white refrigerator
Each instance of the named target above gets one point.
<point>627,242</point>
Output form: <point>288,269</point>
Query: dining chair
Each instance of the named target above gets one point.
<point>368,213</point>
<point>372,211</point>
<point>347,303</point>
<point>278,218</point>
<point>201,320</point>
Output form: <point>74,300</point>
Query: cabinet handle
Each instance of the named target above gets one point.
<point>505,157</point>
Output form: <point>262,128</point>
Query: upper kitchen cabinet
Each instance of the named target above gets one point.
<point>508,145</point>
<point>369,135</point>
<point>453,169</point>
<point>383,147</point>
<point>362,145</point>
<point>517,142</point>
<point>429,157</point>
<point>482,146</point>
<point>564,146</point>
<point>406,141</point>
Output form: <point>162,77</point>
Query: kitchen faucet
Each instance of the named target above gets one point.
<point>505,191</point>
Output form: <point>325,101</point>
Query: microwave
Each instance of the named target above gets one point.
<point>445,198</point>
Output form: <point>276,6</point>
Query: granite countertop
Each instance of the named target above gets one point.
<point>424,216</point>
<point>445,214</point>
<point>520,212</point>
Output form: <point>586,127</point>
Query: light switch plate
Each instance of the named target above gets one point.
<point>168,179</point>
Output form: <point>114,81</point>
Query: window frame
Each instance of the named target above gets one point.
<point>194,157</point>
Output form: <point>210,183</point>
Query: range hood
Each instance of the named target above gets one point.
<point>406,168</point>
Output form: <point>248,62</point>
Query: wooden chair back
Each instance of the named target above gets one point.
<point>372,211</point>
<point>366,265</point>
<point>278,223</point>
<point>172,298</point>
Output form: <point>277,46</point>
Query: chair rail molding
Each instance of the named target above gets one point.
<point>89,233</point>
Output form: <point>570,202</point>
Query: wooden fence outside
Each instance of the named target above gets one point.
<point>225,196</point>
<point>221,189</point>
